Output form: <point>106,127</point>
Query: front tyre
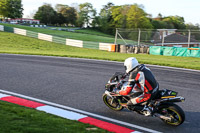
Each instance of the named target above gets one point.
<point>111,103</point>
<point>173,111</point>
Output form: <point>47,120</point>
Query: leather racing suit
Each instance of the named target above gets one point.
<point>143,78</point>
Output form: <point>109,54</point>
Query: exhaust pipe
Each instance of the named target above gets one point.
<point>162,117</point>
<point>175,99</point>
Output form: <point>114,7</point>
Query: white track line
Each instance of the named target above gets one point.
<point>3,95</point>
<point>61,112</point>
<point>81,111</point>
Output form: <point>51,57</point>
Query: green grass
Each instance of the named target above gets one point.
<point>93,32</point>
<point>83,31</point>
<point>18,119</point>
<point>66,34</point>
<point>16,44</point>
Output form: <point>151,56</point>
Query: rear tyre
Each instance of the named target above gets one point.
<point>111,103</point>
<point>174,112</point>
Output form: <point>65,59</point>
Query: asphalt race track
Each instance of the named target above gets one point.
<point>79,83</point>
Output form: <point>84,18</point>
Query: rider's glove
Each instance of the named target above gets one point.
<point>136,81</point>
<point>116,90</point>
<point>124,76</point>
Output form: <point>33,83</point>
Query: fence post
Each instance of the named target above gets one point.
<point>163,38</point>
<point>189,36</point>
<point>139,37</point>
<point>116,36</point>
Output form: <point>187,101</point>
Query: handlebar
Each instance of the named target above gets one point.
<point>116,81</point>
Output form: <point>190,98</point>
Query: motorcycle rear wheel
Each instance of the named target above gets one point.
<point>112,103</point>
<point>173,111</point>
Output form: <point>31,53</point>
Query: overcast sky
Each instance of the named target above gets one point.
<point>189,9</point>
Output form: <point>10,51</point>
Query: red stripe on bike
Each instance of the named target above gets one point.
<point>22,102</point>
<point>105,125</point>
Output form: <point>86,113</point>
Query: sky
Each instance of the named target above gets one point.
<point>189,9</point>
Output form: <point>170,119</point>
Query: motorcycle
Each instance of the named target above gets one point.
<point>162,103</point>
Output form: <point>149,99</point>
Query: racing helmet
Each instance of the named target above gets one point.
<point>130,63</point>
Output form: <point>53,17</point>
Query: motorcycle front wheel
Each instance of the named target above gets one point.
<point>173,111</point>
<point>111,103</point>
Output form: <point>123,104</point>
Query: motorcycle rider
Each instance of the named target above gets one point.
<point>139,77</point>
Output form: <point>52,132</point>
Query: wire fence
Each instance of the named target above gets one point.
<point>158,37</point>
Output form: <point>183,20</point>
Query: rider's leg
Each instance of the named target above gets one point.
<point>140,99</point>
<point>135,103</point>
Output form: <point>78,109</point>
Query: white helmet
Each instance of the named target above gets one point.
<point>130,63</point>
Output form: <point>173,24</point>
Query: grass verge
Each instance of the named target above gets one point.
<point>17,44</point>
<point>18,119</point>
<point>71,35</point>
<point>83,34</point>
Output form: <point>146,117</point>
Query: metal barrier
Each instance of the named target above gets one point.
<point>75,43</point>
<point>20,31</point>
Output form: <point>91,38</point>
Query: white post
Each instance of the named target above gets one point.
<point>139,37</point>
<point>189,35</point>
<point>116,36</point>
<point>163,39</point>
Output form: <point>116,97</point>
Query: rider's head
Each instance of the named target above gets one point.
<point>130,63</point>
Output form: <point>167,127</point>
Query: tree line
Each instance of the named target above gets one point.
<point>109,18</point>
<point>85,15</point>
<point>11,8</point>
<point>79,15</point>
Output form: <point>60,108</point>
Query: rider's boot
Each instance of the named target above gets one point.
<point>131,106</point>
<point>147,110</point>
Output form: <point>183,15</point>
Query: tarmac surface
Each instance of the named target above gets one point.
<point>79,83</point>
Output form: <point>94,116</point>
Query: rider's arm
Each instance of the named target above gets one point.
<point>126,91</point>
<point>137,78</point>
<point>140,79</point>
<point>129,87</point>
